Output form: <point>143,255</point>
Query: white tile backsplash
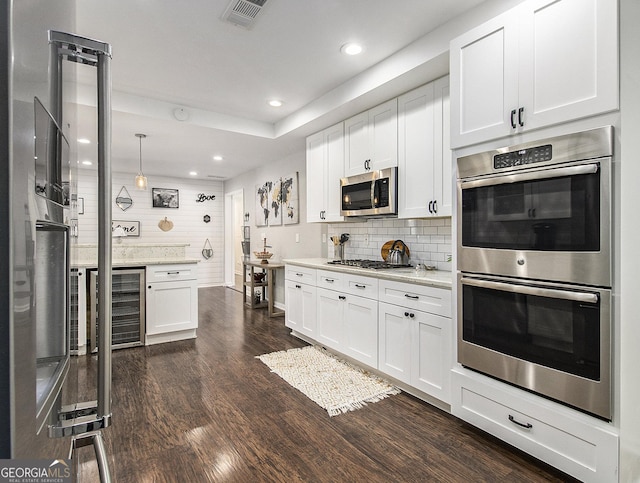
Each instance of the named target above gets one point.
<point>429,240</point>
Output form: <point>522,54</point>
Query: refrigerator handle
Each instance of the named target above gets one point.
<point>104,236</point>
<point>83,421</point>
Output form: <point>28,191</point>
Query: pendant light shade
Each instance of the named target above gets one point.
<point>141,179</point>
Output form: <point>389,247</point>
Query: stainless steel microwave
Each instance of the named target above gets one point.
<point>371,193</point>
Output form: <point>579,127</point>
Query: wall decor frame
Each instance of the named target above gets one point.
<point>165,198</point>
<point>289,199</point>
<point>131,228</point>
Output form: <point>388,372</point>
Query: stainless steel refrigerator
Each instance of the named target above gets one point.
<point>40,414</point>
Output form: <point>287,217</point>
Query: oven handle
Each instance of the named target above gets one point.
<point>584,297</point>
<point>531,176</point>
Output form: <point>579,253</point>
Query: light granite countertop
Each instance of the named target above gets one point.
<point>433,278</point>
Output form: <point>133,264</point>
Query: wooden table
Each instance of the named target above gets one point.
<point>265,287</point>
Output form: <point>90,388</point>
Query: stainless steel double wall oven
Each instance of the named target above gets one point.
<point>534,261</point>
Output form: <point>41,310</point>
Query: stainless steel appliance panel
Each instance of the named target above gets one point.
<point>551,339</point>
<point>538,220</point>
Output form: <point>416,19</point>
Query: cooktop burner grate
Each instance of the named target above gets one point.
<point>373,264</point>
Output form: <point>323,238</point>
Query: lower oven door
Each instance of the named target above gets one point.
<point>552,339</point>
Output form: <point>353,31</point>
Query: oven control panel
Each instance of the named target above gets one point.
<point>521,157</point>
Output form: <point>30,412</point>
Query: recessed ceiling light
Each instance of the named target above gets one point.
<point>87,163</point>
<point>193,173</point>
<point>351,48</point>
<point>275,103</point>
<point>217,157</point>
<point>84,141</point>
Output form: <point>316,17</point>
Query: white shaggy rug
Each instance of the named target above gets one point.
<point>334,385</point>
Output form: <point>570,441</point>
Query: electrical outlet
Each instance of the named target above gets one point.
<point>297,237</point>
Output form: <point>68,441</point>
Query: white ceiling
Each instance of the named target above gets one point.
<point>169,54</point>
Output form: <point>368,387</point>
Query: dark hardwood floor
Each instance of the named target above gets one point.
<point>208,410</point>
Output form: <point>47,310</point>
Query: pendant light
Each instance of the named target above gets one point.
<point>141,179</point>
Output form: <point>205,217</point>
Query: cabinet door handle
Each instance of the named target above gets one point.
<point>298,286</point>
<point>520,120</point>
<point>360,286</point>
<point>523,425</point>
<point>342,297</point>
<point>149,286</point>
<point>533,213</point>
<point>412,297</point>
<point>435,206</point>
<point>406,314</point>
<point>430,206</point>
<point>513,119</point>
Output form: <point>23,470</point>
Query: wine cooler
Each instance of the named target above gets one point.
<point>128,308</point>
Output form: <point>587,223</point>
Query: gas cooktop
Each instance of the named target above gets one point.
<point>373,264</point>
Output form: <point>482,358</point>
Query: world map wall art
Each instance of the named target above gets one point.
<point>277,201</point>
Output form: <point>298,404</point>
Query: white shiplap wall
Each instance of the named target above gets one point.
<point>188,224</point>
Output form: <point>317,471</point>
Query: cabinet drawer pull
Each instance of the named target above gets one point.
<point>173,273</point>
<point>360,286</point>
<point>523,425</point>
<point>300,274</point>
<point>342,297</point>
<point>412,297</point>
<point>330,280</point>
<point>298,286</point>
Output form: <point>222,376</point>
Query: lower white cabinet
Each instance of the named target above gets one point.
<point>414,347</point>
<point>172,302</point>
<point>575,443</point>
<point>348,324</point>
<point>300,307</point>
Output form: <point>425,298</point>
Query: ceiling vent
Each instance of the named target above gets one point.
<point>243,13</point>
<point>216,177</point>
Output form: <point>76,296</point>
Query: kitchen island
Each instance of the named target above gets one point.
<point>155,295</point>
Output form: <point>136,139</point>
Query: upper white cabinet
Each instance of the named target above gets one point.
<point>325,167</point>
<point>371,139</point>
<point>541,63</point>
<point>424,157</point>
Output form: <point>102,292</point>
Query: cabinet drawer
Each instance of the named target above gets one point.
<point>418,297</point>
<point>362,286</point>
<point>170,273</point>
<point>582,447</point>
<point>300,274</point>
<point>330,280</point>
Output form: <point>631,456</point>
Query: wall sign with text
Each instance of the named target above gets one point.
<point>201,198</point>
<point>131,228</point>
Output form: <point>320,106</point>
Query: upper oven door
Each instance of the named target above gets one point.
<point>549,223</point>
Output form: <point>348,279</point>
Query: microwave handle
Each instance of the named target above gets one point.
<point>374,191</point>
<point>531,176</point>
<point>584,297</point>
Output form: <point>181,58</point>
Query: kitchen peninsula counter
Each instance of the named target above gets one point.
<point>431,278</point>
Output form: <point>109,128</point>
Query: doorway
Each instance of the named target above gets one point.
<point>234,214</point>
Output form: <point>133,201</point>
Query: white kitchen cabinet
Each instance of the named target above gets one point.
<point>415,346</point>
<point>348,324</point>
<point>424,157</point>
<point>542,63</point>
<point>394,336</point>
<point>300,311</point>
<point>172,302</point>
<point>325,167</point>
<point>575,443</point>
<point>371,139</point>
